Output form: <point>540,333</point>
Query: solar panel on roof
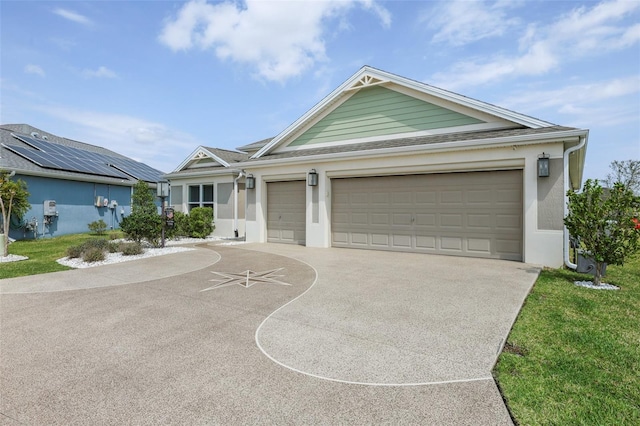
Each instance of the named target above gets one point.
<point>62,157</point>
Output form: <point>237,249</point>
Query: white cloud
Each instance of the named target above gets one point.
<point>586,104</point>
<point>149,142</point>
<point>543,48</point>
<point>34,69</point>
<point>101,72</point>
<point>461,22</point>
<point>279,39</point>
<point>73,16</point>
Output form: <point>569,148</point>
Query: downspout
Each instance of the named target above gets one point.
<point>235,203</point>
<point>581,144</point>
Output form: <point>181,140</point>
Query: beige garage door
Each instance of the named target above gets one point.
<point>286,212</point>
<point>477,214</point>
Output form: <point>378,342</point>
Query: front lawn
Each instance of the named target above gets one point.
<point>42,254</point>
<point>573,356</point>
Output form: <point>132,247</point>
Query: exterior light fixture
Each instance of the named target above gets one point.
<point>543,165</point>
<point>312,178</point>
<point>163,189</point>
<point>250,182</point>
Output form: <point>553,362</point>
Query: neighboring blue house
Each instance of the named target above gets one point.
<point>70,183</point>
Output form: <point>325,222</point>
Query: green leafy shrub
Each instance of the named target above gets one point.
<point>98,227</point>
<point>604,223</point>
<point>93,254</point>
<point>144,222</point>
<point>130,249</point>
<point>180,226</point>
<point>115,235</point>
<point>113,247</point>
<point>201,222</point>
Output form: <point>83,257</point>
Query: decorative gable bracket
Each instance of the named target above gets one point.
<point>366,81</point>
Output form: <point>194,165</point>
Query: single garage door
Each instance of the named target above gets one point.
<point>286,202</point>
<point>476,214</point>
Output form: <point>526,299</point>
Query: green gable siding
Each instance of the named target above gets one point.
<point>378,111</point>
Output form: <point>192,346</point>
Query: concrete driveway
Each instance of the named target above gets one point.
<point>260,334</point>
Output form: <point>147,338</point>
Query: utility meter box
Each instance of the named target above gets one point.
<point>50,208</point>
<point>113,204</point>
<point>98,202</point>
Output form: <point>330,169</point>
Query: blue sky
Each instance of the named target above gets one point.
<point>154,79</point>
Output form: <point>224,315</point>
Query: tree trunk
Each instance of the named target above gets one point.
<point>597,277</point>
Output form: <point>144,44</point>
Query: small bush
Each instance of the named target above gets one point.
<point>130,249</point>
<point>115,235</point>
<point>201,222</point>
<point>97,243</point>
<point>93,255</point>
<point>98,227</point>
<point>113,247</point>
<point>74,252</point>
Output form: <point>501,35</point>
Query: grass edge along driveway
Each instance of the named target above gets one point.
<point>573,355</point>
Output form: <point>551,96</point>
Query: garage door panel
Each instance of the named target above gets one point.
<point>451,220</point>
<point>380,240</point>
<point>451,197</point>
<point>358,238</point>
<point>286,212</point>
<point>479,245</point>
<point>401,241</point>
<point>425,242</point>
<point>451,244</point>
<point>470,214</point>
<point>426,198</point>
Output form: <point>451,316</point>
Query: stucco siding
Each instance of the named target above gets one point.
<point>551,197</point>
<point>379,111</point>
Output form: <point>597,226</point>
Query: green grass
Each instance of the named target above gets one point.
<point>42,254</point>
<point>573,356</point>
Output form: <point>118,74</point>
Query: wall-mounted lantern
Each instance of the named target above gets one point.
<point>312,178</point>
<point>543,165</point>
<point>250,182</point>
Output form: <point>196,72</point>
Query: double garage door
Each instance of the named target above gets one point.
<point>476,214</point>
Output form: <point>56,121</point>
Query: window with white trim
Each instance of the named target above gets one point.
<point>200,196</point>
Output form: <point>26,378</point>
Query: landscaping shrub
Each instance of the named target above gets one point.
<point>180,226</point>
<point>201,222</point>
<point>74,252</point>
<point>113,247</point>
<point>93,254</point>
<point>130,249</point>
<point>144,222</point>
<point>98,227</point>
<point>96,243</point>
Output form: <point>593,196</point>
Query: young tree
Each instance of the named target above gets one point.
<point>144,222</point>
<point>14,199</point>
<point>626,172</point>
<point>604,224</point>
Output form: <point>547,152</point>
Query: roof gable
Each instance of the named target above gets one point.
<point>211,158</point>
<point>323,123</point>
<point>378,111</point>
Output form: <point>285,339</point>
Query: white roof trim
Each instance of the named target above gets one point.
<point>437,147</point>
<point>367,76</point>
<point>200,152</point>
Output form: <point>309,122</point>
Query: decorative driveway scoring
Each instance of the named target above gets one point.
<point>246,279</point>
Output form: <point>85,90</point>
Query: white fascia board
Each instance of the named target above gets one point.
<point>525,120</point>
<point>436,147</point>
<point>201,173</point>
<point>415,85</point>
<point>191,156</point>
<point>325,102</point>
